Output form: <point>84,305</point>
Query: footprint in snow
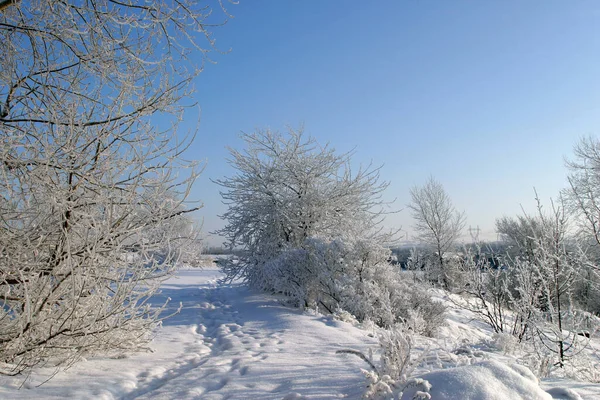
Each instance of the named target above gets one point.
<point>244,370</point>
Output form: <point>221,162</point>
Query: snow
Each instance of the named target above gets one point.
<point>490,380</point>
<point>228,342</point>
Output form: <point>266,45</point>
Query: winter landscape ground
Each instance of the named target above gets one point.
<point>229,342</point>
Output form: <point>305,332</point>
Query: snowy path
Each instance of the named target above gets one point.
<point>239,337</point>
<point>226,343</point>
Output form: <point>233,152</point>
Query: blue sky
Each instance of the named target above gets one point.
<point>488,97</point>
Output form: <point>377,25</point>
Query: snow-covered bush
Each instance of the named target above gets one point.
<point>584,368</point>
<point>419,310</point>
<point>397,362</point>
<point>374,289</point>
<point>488,293</point>
<point>356,277</point>
<point>345,316</point>
<point>379,387</point>
<point>397,358</point>
<point>310,229</point>
<point>505,342</point>
<point>539,362</point>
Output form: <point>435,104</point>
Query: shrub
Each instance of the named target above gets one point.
<point>354,276</point>
<point>397,363</point>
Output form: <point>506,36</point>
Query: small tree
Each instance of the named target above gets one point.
<point>437,223</point>
<point>544,281</point>
<point>557,264</point>
<point>522,234</point>
<point>531,297</point>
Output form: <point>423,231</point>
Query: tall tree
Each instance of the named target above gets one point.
<point>92,210</point>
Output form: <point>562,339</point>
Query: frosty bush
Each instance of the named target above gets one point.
<point>397,363</point>
<point>355,277</point>
<point>505,342</point>
<point>421,312</point>
<point>488,293</point>
<point>397,360</point>
<point>391,299</point>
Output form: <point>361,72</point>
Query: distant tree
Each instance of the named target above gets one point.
<point>437,223</point>
<point>519,234</point>
<point>93,209</point>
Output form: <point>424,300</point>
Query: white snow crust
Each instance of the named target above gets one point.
<point>229,342</point>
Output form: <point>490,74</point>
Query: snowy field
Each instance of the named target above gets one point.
<point>230,343</point>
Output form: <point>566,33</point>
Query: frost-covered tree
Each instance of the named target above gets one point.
<point>93,209</point>
<point>583,193</point>
<point>542,277</point>
<point>287,189</point>
<point>583,199</point>
<point>310,229</point>
<point>546,281</point>
<point>523,284</point>
<point>437,223</point>
<point>519,233</point>
<point>532,295</point>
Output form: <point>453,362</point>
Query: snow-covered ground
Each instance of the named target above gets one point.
<point>230,343</point>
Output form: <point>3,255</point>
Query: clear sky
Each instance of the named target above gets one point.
<point>486,96</point>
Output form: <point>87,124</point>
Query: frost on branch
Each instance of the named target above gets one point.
<point>93,212</point>
<point>438,225</point>
<point>288,189</point>
<point>310,229</point>
<point>397,363</point>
